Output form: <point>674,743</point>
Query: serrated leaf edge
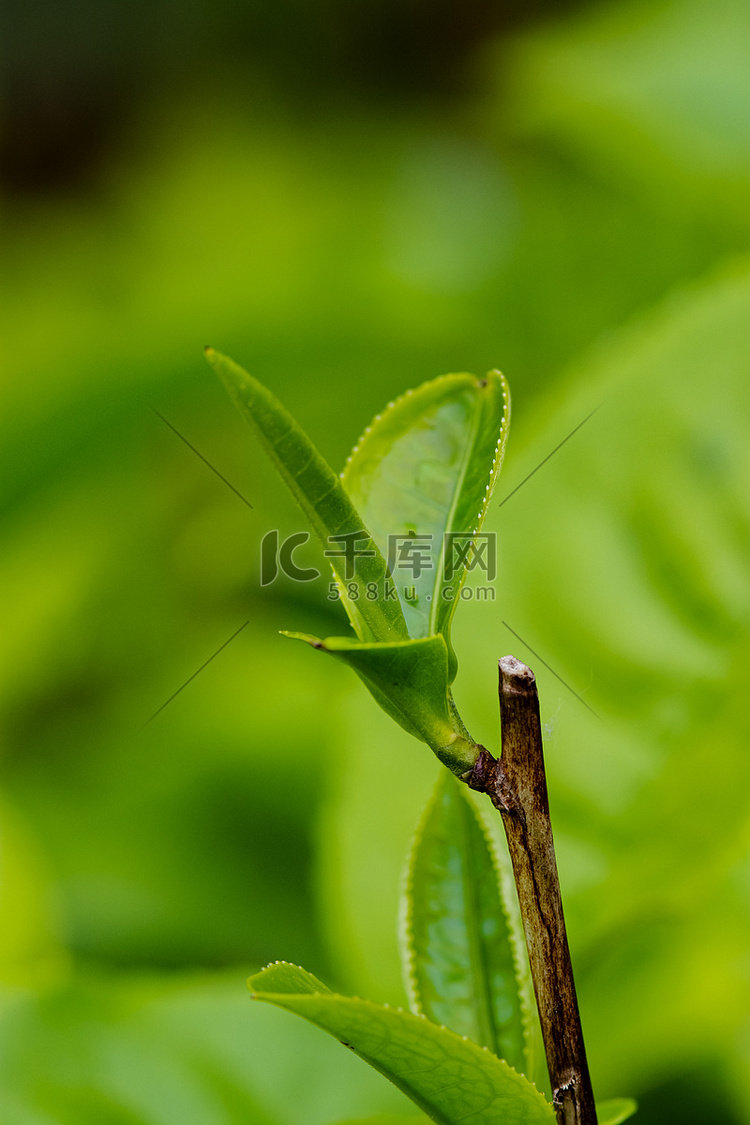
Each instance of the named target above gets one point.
<point>497,462</point>
<point>394,1008</point>
<point>498,456</point>
<point>370,430</point>
<point>404,923</point>
<point>517,944</point>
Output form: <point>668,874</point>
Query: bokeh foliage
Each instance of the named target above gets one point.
<point>571,211</point>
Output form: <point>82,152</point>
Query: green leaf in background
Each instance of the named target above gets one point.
<point>652,95</point>
<point>409,679</point>
<point>422,472</point>
<point>457,946</point>
<point>450,1078</point>
<point>616,1110</point>
<point>30,949</point>
<point>322,498</point>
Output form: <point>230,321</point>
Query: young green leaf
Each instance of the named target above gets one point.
<point>409,679</point>
<point>323,499</point>
<point>456,943</point>
<point>446,441</point>
<point>451,1079</point>
<point>616,1110</point>
<point>422,476</point>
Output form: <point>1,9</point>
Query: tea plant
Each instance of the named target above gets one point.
<point>418,483</point>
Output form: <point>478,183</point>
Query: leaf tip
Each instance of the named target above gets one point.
<point>314,642</point>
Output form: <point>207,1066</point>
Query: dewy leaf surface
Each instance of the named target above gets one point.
<point>452,1079</point>
<point>424,471</point>
<point>323,499</point>
<point>456,942</point>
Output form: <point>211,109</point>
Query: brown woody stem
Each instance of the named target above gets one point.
<point>517,787</point>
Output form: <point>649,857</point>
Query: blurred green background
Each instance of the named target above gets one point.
<point>350,199</point>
